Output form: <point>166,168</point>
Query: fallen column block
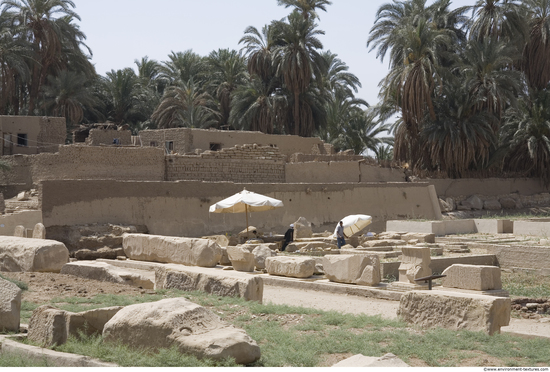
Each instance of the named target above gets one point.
<point>473,277</point>
<point>105,272</point>
<point>171,249</point>
<point>352,269</point>
<point>452,310</point>
<point>28,255</point>
<point>295,267</point>
<point>218,282</point>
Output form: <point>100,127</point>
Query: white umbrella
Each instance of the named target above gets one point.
<point>244,202</point>
<point>354,223</point>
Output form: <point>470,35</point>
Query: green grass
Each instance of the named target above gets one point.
<point>22,285</point>
<point>526,284</point>
<point>14,360</point>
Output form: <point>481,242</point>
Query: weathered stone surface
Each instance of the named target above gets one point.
<point>39,231</point>
<point>444,206</point>
<point>25,254</point>
<point>243,236</point>
<point>291,248</point>
<point>296,267</point>
<point>315,246</point>
<point>384,243</point>
<point>2,204</point>
<point>475,202</point>
<point>453,310</point>
<point>10,306</point>
<point>170,249</point>
<point>23,196</point>
<point>359,360</point>
<point>20,232</point>
<point>473,277</point>
<point>260,253</point>
<point>105,252</point>
<point>415,263</point>
<point>392,235</point>
<point>222,240</point>
<point>420,237</point>
<point>302,229</point>
<point>220,283</point>
<point>241,258</point>
<point>103,271</point>
<point>508,203</point>
<point>451,203</point>
<point>49,326</point>
<point>492,205</point>
<point>352,269</point>
<point>224,260</point>
<point>177,321</point>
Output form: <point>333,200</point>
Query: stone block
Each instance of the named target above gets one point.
<point>260,253</point>
<point>383,243</point>
<point>359,360</point>
<point>492,205</point>
<point>39,231</point>
<point>296,267</point>
<point>508,203</point>
<point>222,240</point>
<point>453,310</point>
<point>302,229</point>
<point>25,254</point>
<point>387,235</point>
<point>415,263</point>
<point>475,202</point>
<point>20,232</point>
<point>218,282</point>
<point>241,258</point>
<point>169,249</point>
<point>23,196</point>
<point>224,260</point>
<point>472,277</point>
<point>444,206</point>
<point>420,237</point>
<point>489,226</point>
<point>352,269</point>
<point>103,271</point>
<point>178,322</point>
<point>10,306</point>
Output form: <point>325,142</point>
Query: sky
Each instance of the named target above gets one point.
<point>120,31</point>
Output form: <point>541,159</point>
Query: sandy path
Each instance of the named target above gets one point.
<point>372,306</point>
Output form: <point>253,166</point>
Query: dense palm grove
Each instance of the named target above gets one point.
<point>466,93</point>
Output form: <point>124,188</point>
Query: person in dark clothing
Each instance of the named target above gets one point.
<point>289,236</point>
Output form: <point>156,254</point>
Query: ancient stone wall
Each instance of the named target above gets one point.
<point>107,136</point>
<point>341,171</point>
<point>100,162</point>
<point>489,186</point>
<point>181,139</point>
<point>181,208</point>
<point>247,163</point>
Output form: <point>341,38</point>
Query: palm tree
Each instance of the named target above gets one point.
<point>298,60</point>
<point>67,95</point>
<point>50,37</point>
<point>336,78</point>
<point>526,136</point>
<point>185,105</point>
<point>182,67</point>
<point>122,95</point>
<point>496,19</point>
<point>536,63</point>
<point>227,72</point>
<point>259,48</point>
<point>308,8</point>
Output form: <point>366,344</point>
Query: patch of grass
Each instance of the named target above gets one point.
<point>26,311</point>
<point>526,284</point>
<point>22,285</point>
<point>16,360</point>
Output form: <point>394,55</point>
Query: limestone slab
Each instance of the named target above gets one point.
<point>25,254</point>
<point>360,360</point>
<point>169,249</point>
<point>352,269</point>
<point>10,306</point>
<point>260,253</point>
<point>178,322</point>
<point>453,310</point>
<point>215,281</point>
<point>241,258</point>
<point>415,263</point>
<point>103,271</point>
<point>472,277</point>
<point>296,267</point>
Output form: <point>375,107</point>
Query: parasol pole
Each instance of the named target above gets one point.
<point>246,212</point>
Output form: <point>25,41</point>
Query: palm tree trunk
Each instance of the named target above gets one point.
<point>296,112</point>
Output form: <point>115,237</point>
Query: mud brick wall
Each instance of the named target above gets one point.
<point>53,132</point>
<point>182,139</point>
<point>100,162</point>
<point>247,163</point>
<point>304,158</point>
<point>106,137</point>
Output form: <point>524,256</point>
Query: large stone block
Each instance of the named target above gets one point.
<point>260,253</point>
<point>170,249</point>
<point>302,229</point>
<point>23,254</point>
<point>421,237</point>
<point>218,282</point>
<point>453,310</point>
<point>20,231</point>
<point>105,272</point>
<point>473,277</point>
<point>296,267</point>
<point>178,322</point>
<point>241,258</point>
<point>49,326</point>
<point>415,263</point>
<point>39,231</point>
<point>352,269</point>
<point>10,306</point>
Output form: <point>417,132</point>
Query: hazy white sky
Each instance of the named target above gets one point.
<point>121,31</point>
